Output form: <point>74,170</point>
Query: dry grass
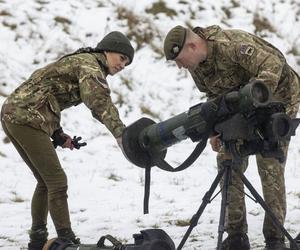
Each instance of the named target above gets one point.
<point>16,198</point>
<point>114,177</point>
<point>11,26</point>
<point>127,82</point>
<point>141,29</point>
<point>5,13</point>
<point>294,51</point>
<point>65,22</point>
<point>182,223</point>
<point>160,7</point>
<point>262,23</point>
<point>147,111</point>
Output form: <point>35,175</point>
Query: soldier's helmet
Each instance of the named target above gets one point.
<point>116,42</point>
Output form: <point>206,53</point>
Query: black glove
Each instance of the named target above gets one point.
<point>76,142</point>
<point>58,138</point>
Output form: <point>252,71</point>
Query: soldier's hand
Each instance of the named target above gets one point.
<point>61,139</point>
<point>68,142</point>
<point>215,143</point>
<point>119,141</point>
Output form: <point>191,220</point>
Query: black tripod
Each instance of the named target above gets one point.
<point>226,169</point>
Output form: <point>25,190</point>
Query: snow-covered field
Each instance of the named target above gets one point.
<point>105,190</point>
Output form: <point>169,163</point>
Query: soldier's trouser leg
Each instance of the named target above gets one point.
<point>236,221</point>
<point>39,203</point>
<point>273,185</point>
<point>36,149</point>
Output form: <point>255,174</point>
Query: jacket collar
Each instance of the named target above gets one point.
<point>101,59</point>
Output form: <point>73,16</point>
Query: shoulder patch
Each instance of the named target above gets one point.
<point>246,49</point>
<point>102,81</point>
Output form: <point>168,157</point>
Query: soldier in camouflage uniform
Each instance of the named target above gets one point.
<point>31,114</point>
<point>220,60</point>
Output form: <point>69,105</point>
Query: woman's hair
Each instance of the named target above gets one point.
<point>82,50</point>
<point>86,50</point>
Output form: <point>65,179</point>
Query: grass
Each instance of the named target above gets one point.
<point>114,177</point>
<point>128,82</point>
<point>262,23</point>
<point>65,22</point>
<point>294,51</point>
<point>5,13</point>
<point>16,198</point>
<point>9,25</point>
<point>141,29</point>
<point>147,111</point>
<point>160,7</point>
<point>182,223</point>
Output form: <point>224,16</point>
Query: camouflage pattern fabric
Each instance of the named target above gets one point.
<point>235,57</point>
<point>69,81</point>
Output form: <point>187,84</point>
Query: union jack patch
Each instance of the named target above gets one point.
<point>247,50</point>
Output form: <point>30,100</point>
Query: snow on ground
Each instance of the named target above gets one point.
<point>105,190</point>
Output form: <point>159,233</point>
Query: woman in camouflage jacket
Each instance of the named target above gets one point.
<point>31,115</point>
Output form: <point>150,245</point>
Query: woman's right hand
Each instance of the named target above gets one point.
<point>215,143</point>
<point>68,141</point>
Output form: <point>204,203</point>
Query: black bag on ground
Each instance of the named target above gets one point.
<point>149,239</point>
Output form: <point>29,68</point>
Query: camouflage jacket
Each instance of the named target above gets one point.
<point>69,81</point>
<point>235,56</point>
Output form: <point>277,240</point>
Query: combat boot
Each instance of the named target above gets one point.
<point>68,234</point>
<point>275,244</point>
<point>38,237</point>
<point>236,241</point>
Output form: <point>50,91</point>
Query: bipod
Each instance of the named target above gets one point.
<point>226,171</point>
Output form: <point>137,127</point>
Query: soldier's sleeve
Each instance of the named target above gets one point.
<point>95,94</point>
<point>260,63</point>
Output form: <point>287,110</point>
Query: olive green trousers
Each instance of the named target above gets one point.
<point>36,149</point>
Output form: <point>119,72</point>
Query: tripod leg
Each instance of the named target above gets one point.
<point>205,201</point>
<point>260,200</point>
<point>224,202</point>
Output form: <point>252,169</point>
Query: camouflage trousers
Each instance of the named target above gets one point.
<point>36,149</point>
<point>271,173</point>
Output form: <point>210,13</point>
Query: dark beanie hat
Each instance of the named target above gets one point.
<point>116,42</point>
<point>174,42</point>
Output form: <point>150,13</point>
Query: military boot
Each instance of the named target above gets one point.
<point>236,241</point>
<point>38,237</point>
<point>68,234</point>
<point>275,244</point>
